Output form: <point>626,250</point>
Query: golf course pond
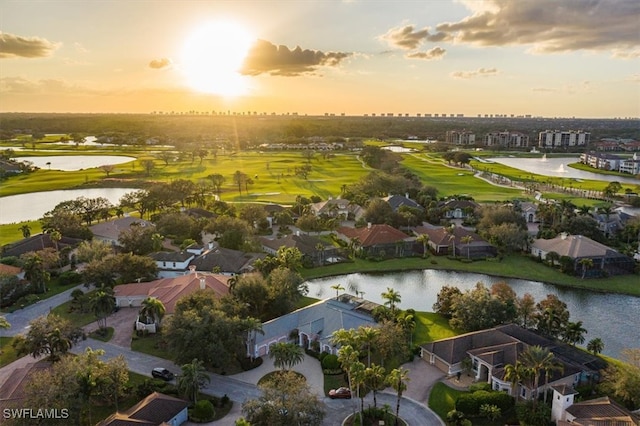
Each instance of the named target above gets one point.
<point>32,206</point>
<point>612,317</point>
<point>70,163</point>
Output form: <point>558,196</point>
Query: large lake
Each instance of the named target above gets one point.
<point>70,163</point>
<point>556,167</point>
<point>612,317</point>
<point>32,206</point>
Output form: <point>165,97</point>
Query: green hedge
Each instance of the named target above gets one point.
<point>470,403</point>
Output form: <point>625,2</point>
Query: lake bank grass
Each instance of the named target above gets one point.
<point>512,266</point>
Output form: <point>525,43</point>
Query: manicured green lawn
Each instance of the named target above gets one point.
<point>151,344</point>
<point>104,338</point>
<point>78,319</point>
<point>334,381</point>
<point>7,353</point>
<point>442,399</point>
<point>431,326</point>
<point>11,232</point>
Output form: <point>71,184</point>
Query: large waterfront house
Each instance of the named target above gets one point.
<point>379,240</point>
<point>317,251</point>
<point>604,259</point>
<point>157,409</point>
<point>489,351</point>
<point>458,240</point>
<point>312,327</point>
<point>109,231</point>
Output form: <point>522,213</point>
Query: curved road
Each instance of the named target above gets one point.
<point>414,412</point>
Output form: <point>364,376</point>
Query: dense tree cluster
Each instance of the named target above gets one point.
<point>77,384</point>
<point>482,307</point>
<point>50,336</point>
<point>286,399</point>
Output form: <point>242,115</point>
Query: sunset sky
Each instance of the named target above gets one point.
<point>552,58</point>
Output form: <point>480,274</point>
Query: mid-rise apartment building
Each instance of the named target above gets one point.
<point>506,139</point>
<point>563,138</point>
<point>458,137</point>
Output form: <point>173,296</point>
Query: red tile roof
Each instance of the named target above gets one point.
<point>375,234</point>
<point>169,290</point>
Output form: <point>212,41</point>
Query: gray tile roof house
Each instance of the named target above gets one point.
<point>109,231</point>
<point>307,244</point>
<point>397,201</point>
<point>156,409</point>
<point>491,349</point>
<point>592,412</point>
<point>225,261</point>
<point>315,322</point>
<point>579,247</point>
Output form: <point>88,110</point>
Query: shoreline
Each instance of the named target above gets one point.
<point>327,274</point>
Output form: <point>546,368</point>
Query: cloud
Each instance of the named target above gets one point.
<point>161,63</point>
<point>635,78</point>
<point>13,46</point>
<point>481,72</point>
<point>20,85</point>
<point>435,53</point>
<point>550,25</point>
<point>267,58</point>
<point>408,38</point>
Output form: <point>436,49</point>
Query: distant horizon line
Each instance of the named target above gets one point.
<point>329,115</point>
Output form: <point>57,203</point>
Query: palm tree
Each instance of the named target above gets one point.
<point>26,230</point>
<point>59,344</point>
<point>286,355</point>
<point>424,240</point>
<point>574,333</point>
<point>252,326</point>
<point>337,288</point>
<point>539,359</point>
<point>408,323</point>
<point>347,357</point>
<point>515,374</point>
<point>367,336</point>
<point>392,298</point>
<point>374,378</point>
<point>102,304</point>
<point>398,379</point>
<point>467,239</point>
<point>358,380</point>
<point>345,337</point>
<point>320,250</point>
<point>154,309</point>
<point>193,378</point>
<point>354,246</point>
<point>595,346</point>
<point>586,263</point>
<point>451,230</point>
<point>55,236</point>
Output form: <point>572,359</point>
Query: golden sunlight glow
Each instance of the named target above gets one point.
<point>212,57</point>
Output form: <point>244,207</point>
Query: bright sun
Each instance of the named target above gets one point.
<point>212,57</point>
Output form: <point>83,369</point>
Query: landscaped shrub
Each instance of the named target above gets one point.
<point>479,386</point>
<point>470,403</point>
<point>491,412</point>
<point>69,277</point>
<point>330,362</point>
<point>202,411</point>
<point>467,404</point>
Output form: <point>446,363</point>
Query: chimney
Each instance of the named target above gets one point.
<point>202,283</point>
<point>210,245</point>
<point>564,235</point>
<point>368,225</point>
<point>192,269</point>
<point>406,195</point>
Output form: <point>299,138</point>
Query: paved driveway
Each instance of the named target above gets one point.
<point>122,323</point>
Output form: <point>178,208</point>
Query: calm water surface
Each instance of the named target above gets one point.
<point>614,318</point>
<point>70,163</point>
<point>556,167</point>
<point>32,206</point>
